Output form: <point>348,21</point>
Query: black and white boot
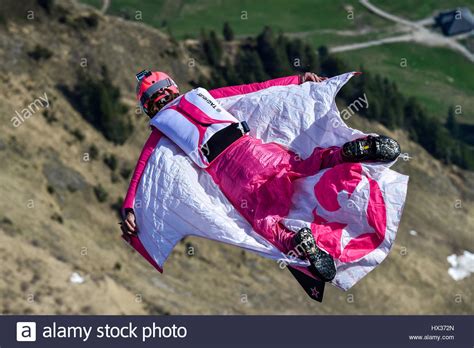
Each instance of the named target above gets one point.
<point>371,148</point>
<point>321,262</point>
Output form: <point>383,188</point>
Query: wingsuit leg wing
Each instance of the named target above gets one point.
<point>313,287</point>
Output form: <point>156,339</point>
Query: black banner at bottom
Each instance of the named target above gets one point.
<point>236,331</point>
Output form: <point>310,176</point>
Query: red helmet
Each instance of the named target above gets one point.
<point>153,87</point>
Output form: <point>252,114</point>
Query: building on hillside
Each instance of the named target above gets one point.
<point>455,21</point>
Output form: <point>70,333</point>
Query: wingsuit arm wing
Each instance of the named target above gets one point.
<point>139,168</point>
<point>128,203</point>
<point>230,91</point>
<point>155,136</point>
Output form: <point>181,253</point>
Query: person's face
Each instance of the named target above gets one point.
<point>161,102</point>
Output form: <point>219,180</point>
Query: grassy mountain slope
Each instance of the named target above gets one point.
<point>421,71</point>
<point>51,223</point>
<point>185,18</point>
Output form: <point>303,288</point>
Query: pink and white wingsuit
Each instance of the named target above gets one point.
<point>258,178</point>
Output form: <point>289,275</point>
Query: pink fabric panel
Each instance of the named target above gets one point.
<point>257,178</point>
<point>196,114</point>
<point>140,167</point>
<point>377,219</point>
<point>338,180</point>
<point>328,233</point>
<point>320,158</point>
<point>254,87</point>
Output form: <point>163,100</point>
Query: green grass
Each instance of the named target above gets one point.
<point>422,9</point>
<point>438,77</point>
<point>334,39</point>
<point>186,18</point>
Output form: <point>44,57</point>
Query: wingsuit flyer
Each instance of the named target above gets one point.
<point>203,173</point>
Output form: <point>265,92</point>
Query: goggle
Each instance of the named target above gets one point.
<point>152,106</point>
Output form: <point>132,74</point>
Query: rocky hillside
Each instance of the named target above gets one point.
<point>61,180</point>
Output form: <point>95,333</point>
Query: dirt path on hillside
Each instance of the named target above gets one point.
<point>105,6</point>
<point>300,34</point>
<point>360,45</point>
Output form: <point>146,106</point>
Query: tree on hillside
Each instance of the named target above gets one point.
<point>451,123</point>
<point>281,50</point>
<point>310,59</point>
<point>397,101</point>
<point>332,66</point>
<point>411,113</point>
<point>228,32</point>
<point>295,53</point>
<point>301,57</point>
<point>389,116</point>
<point>467,155</point>
<point>230,74</point>
<point>249,67</point>
<point>274,64</point>
<point>99,103</point>
<point>323,52</point>
<point>215,42</point>
<point>212,47</point>
<point>217,79</point>
<point>46,4</point>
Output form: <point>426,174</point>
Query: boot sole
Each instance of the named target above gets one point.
<point>389,149</point>
<point>322,264</point>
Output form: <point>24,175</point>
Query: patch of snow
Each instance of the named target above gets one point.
<point>156,281</point>
<point>461,265</point>
<point>76,278</point>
